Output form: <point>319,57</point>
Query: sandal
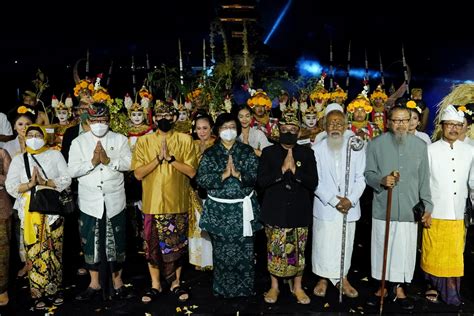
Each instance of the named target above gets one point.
<point>431,296</point>
<point>350,292</point>
<point>271,296</point>
<point>179,293</point>
<point>301,297</point>
<point>321,288</point>
<point>151,295</point>
<point>39,304</point>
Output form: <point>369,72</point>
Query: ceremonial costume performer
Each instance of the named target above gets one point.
<point>359,109</point>
<point>63,112</point>
<point>228,171</point>
<point>310,128</point>
<point>320,97</point>
<point>399,161</point>
<point>138,115</point>
<point>287,174</point>
<point>261,104</point>
<point>330,204</point>
<point>379,113</point>
<point>165,161</point>
<point>98,159</point>
<point>451,170</point>
<point>339,96</point>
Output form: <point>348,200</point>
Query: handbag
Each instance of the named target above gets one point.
<point>48,200</point>
<point>468,212</point>
<point>419,211</point>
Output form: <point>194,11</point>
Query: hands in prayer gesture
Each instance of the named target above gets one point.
<point>230,170</point>
<point>100,156</point>
<point>289,162</point>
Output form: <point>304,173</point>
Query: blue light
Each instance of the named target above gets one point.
<point>277,22</point>
<point>309,67</point>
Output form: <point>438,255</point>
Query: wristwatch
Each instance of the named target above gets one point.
<point>172,158</point>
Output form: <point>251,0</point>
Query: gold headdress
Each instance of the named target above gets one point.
<point>260,99</point>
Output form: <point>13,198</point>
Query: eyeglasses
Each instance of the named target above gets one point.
<point>292,130</point>
<point>400,121</point>
<point>453,125</point>
<point>167,116</point>
<point>228,127</point>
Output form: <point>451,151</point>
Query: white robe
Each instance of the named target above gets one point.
<point>327,220</point>
<point>327,242</point>
<point>401,255</point>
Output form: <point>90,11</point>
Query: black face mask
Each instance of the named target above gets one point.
<point>164,125</point>
<point>288,138</point>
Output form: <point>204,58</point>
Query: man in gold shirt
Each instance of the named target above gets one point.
<point>165,161</point>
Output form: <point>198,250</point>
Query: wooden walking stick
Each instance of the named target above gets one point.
<point>388,214</point>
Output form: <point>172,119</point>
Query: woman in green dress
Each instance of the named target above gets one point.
<point>228,171</point>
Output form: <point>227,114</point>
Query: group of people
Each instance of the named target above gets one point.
<point>205,192</point>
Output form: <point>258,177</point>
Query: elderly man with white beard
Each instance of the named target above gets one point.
<point>397,151</point>
<point>330,204</point>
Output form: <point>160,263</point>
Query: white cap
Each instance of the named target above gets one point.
<point>333,107</point>
<point>451,114</point>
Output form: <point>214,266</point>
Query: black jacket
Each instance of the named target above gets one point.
<point>288,198</point>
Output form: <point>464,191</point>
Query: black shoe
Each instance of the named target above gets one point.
<point>88,294</point>
<point>374,300</point>
<point>406,303</point>
<point>123,293</point>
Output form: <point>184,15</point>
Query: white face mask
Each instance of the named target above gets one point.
<point>99,129</point>
<point>137,118</point>
<point>228,134</point>
<point>62,116</point>
<point>34,143</point>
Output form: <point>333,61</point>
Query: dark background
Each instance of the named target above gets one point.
<point>439,53</point>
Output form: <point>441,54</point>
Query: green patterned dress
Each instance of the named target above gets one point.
<point>233,254</point>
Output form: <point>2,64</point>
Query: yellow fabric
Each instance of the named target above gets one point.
<point>165,189</point>
<point>45,138</point>
<point>443,247</point>
<point>30,220</point>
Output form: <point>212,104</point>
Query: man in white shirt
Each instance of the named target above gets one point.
<point>98,159</point>
<point>451,162</point>
<point>330,204</point>
<point>6,132</point>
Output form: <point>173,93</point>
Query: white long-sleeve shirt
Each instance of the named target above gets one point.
<point>331,183</point>
<point>102,183</point>
<point>55,168</point>
<point>450,174</point>
<point>257,139</point>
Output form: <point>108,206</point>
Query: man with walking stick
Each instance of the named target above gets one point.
<point>336,204</point>
<point>396,162</point>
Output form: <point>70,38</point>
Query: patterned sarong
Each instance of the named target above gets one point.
<point>166,241</point>
<point>285,248</point>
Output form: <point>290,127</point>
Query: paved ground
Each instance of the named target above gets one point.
<point>202,301</point>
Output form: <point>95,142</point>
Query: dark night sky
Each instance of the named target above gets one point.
<point>435,51</point>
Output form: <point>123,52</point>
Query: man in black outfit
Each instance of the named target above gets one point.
<point>287,174</point>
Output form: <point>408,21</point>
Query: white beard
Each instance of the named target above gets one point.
<point>335,144</point>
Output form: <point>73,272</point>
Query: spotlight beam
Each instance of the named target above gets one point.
<point>278,21</point>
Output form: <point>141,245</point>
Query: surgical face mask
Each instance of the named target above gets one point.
<point>288,138</point>
<point>228,134</point>
<point>34,143</point>
<point>99,129</point>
